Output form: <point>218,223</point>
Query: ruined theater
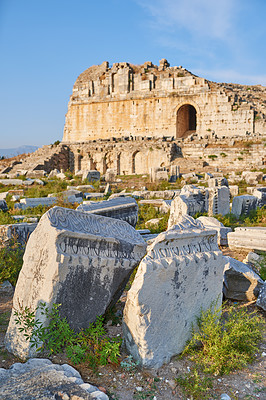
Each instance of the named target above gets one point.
<point>132,118</point>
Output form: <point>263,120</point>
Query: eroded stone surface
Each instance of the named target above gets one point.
<point>240,282</point>
<point>19,232</point>
<point>40,379</point>
<point>81,261</point>
<point>181,273</point>
<point>222,231</point>
<point>244,204</point>
<point>191,200</point>
<point>124,208</point>
<point>253,238</point>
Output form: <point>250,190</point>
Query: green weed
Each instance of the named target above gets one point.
<point>128,364</point>
<point>11,260</point>
<point>195,385</point>
<point>91,346</point>
<point>5,218</point>
<point>221,345</point>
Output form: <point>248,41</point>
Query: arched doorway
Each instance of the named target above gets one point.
<point>186,121</point>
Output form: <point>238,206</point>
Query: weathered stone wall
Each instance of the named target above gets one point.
<point>154,101</point>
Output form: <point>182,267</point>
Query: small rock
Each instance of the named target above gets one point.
<point>225,396</point>
<point>139,389</point>
<point>263,354</point>
<point>171,383</point>
<point>102,389</point>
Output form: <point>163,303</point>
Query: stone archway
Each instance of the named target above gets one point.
<point>186,121</point>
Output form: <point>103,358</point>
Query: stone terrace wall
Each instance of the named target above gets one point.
<point>156,101</point>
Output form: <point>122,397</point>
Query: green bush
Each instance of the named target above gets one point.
<point>222,344</point>
<point>5,218</point>
<point>147,212</point>
<point>11,260</point>
<point>91,346</point>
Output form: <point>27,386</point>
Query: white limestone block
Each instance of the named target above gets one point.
<point>253,238</point>
<point>244,204</point>
<point>123,208</point>
<point>181,274</point>
<point>79,260</point>
<point>222,231</point>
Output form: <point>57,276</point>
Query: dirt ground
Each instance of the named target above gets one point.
<point>249,383</point>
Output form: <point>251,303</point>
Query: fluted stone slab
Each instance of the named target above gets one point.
<point>123,208</point>
<point>181,274</point>
<point>244,204</point>
<point>79,260</point>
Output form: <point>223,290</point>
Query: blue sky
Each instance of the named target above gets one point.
<point>46,44</point>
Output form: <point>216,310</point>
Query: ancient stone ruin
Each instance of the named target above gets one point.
<point>131,118</point>
<point>79,260</point>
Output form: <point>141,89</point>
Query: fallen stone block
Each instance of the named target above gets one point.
<point>217,182</point>
<point>123,208</point>
<point>79,260</point>
<point>181,274</point>
<point>240,282</point>
<point>252,238</point>
<point>260,193</point>
<point>261,301</point>
<point>234,190</point>
<point>219,201</point>
<point>3,205</point>
<point>191,200</point>
<point>15,182</point>
<point>36,201</point>
<point>244,204</point>
<point>252,177</point>
<point>89,196</point>
<point>91,175</point>
<point>19,232</point>
<point>3,195</point>
<point>110,175</point>
<point>222,231</point>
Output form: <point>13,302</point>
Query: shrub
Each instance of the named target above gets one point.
<point>147,212</point>
<point>11,260</point>
<point>91,345</point>
<point>5,218</point>
<point>195,385</point>
<point>212,156</point>
<point>221,345</point>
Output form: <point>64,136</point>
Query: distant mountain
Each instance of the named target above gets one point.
<point>7,153</point>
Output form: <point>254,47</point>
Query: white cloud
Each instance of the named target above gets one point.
<point>206,18</point>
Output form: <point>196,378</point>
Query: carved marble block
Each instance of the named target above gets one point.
<point>181,274</point>
<point>124,208</point>
<point>244,204</point>
<point>79,260</point>
<point>190,201</point>
<point>219,200</point>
